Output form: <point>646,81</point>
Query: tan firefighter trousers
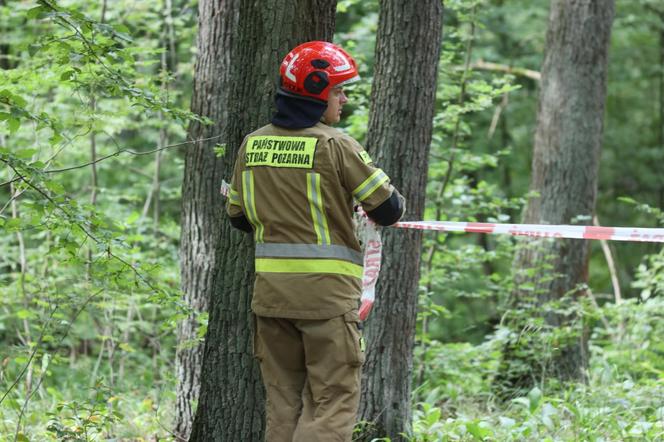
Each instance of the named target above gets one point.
<point>311,373</point>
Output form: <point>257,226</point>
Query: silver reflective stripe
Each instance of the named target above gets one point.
<point>317,209</point>
<point>250,204</point>
<point>308,251</point>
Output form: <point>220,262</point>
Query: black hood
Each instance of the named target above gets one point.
<point>295,112</point>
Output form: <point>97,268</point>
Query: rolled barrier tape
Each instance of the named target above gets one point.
<point>225,188</point>
<point>373,251</point>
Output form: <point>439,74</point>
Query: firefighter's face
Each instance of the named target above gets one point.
<point>335,101</point>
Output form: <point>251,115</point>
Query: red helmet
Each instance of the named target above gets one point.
<point>315,67</point>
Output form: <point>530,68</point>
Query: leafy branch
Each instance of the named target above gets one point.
<point>72,219</point>
<point>115,154</point>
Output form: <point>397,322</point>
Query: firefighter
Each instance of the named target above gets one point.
<point>294,186</point>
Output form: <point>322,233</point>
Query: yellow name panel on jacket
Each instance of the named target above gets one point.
<point>296,187</point>
<point>277,151</point>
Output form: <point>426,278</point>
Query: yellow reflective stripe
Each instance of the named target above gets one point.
<point>317,209</point>
<point>278,265</point>
<point>248,193</point>
<point>234,197</point>
<point>368,186</point>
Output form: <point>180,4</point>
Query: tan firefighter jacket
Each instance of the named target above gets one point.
<point>296,187</point>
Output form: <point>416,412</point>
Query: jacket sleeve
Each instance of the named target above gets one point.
<point>390,211</point>
<point>369,185</point>
<point>234,206</point>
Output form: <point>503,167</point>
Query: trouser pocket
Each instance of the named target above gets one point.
<point>354,339</point>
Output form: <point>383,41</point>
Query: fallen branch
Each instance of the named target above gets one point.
<point>522,72</point>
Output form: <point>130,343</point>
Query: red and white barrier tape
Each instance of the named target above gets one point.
<point>542,230</point>
<point>373,252</point>
<point>374,248</point>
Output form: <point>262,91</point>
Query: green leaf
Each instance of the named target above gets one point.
<point>55,138</point>
<point>24,314</point>
<point>13,225</point>
<point>122,28</point>
<point>55,187</point>
<point>628,200</point>
<point>123,32</point>
<point>22,438</point>
<point>220,150</point>
<point>477,431</point>
<point>534,396</point>
<point>127,348</point>
<point>33,49</point>
<point>45,361</point>
<point>36,12</point>
<point>67,75</point>
<point>25,154</point>
<point>133,217</point>
<point>14,124</point>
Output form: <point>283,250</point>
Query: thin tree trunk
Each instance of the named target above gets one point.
<point>23,269</point>
<point>240,46</point>
<point>399,138</point>
<point>5,60</point>
<point>168,64</point>
<point>564,174</point>
<point>125,340</point>
<point>611,264</point>
<point>93,179</point>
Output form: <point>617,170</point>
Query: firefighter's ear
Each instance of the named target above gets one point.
<point>316,82</point>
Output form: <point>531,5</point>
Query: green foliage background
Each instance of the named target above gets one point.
<point>89,286</point>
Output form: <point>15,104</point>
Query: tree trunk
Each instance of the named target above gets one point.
<point>5,52</point>
<point>564,174</point>
<point>661,99</point>
<point>240,46</point>
<point>661,81</point>
<point>399,137</point>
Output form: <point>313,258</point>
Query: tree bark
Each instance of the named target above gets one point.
<point>399,137</point>
<point>564,174</point>
<point>240,46</point>
<point>661,81</point>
